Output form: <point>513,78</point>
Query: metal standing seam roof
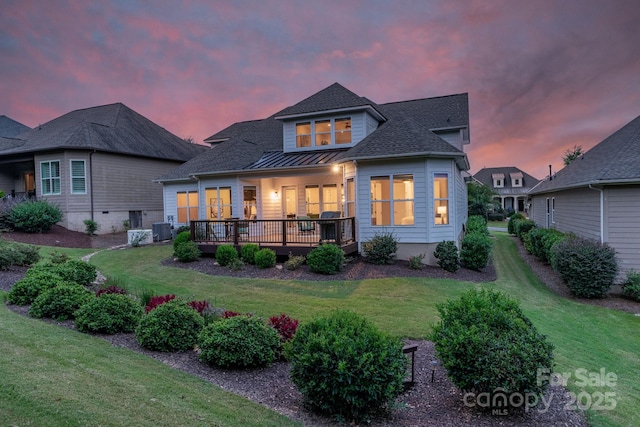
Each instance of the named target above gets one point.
<point>278,159</point>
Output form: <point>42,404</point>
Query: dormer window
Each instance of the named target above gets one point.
<point>498,180</point>
<point>323,132</point>
<point>516,179</point>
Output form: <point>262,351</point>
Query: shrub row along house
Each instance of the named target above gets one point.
<point>335,167</point>
<point>96,163</point>
<point>597,196</point>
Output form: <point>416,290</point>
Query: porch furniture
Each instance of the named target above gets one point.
<point>305,225</point>
<point>328,228</point>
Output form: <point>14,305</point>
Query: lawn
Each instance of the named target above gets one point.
<point>587,338</point>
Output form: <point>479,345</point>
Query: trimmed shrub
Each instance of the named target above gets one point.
<point>589,268</point>
<point>475,251</point>
<point>182,229</point>
<point>18,254</point>
<point>523,226</point>
<point>76,271</point>
<point>265,258</point>
<point>236,265</point>
<point>540,241</point>
<point>381,249</point>
<point>511,225</point>
<point>187,251</point>
<point>477,224</point>
<point>158,300</point>
<point>631,286</point>
<point>238,342</point>
<point>447,255</point>
<point>487,345</point>
<point>344,366</point>
<point>294,262</point>
<point>34,216</point>
<point>60,302</point>
<point>173,326</point>
<point>225,254</point>
<point>248,253</point>
<point>56,257</point>
<point>326,259</point>
<point>284,325</point>
<point>109,314</point>
<point>25,290</point>
<point>181,238</point>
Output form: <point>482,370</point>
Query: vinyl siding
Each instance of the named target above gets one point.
<point>622,224</point>
<point>359,129</point>
<point>576,211</point>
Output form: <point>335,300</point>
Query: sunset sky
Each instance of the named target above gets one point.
<point>542,76</point>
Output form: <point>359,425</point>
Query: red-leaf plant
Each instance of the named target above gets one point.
<point>284,325</point>
<point>158,300</point>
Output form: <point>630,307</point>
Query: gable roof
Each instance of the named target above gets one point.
<point>615,160</point>
<point>10,128</point>
<point>333,98</point>
<point>405,131</point>
<point>113,128</point>
<point>486,176</point>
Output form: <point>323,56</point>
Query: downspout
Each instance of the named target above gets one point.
<point>601,211</point>
<point>91,182</point>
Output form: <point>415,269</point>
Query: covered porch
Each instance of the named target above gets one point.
<point>292,235</point>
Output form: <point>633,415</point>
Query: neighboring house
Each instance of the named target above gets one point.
<point>9,128</point>
<point>394,167</point>
<point>511,184</point>
<point>597,196</point>
<point>96,163</point>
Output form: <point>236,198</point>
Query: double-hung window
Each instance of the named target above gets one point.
<point>441,198</point>
<point>78,177</point>
<point>392,200</point>
<point>351,198</point>
<point>50,177</point>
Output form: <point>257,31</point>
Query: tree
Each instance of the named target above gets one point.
<point>571,154</point>
<point>480,198</point>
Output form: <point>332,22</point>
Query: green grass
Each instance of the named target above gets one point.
<point>501,224</point>
<point>53,376</point>
<point>586,337</point>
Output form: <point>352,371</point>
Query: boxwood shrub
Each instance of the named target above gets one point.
<point>172,326</point>
<point>248,252</point>
<point>265,258</point>
<point>345,367</point>
<point>25,290</point>
<point>187,251</point>
<point>487,345</point>
<point>447,255</point>
<point>60,302</point>
<point>182,237</point>
<point>109,314</point>
<point>238,342</point>
<point>477,224</point>
<point>631,286</point>
<point>326,259</point>
<point>226,254</point>
<point>588,267</point>
<point>513,221</point>
<point>77,271</point>
<point>475,251</point>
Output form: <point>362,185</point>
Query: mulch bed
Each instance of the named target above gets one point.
<point>429,402</point>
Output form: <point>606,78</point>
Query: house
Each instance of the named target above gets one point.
<point>510,183</point>
<point>96,163</point>
<point>597,196</point>
<point>352,167</point>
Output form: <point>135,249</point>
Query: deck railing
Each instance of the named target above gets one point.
<point>284,232</point>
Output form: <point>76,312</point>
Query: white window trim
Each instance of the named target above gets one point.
<point>59,177</point>
<point>71,177</point>
<point>392,200</point>
<point>447,199</point>
<point>332,135</point>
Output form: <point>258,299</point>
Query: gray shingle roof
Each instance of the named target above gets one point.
<point>334,97</point>
<point>10,128</point>
<point>111,128</point>
<point>615,160</point>
<point>485,176</point>
<point>254,145</point>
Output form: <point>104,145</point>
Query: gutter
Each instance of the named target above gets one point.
<point>601,211</point>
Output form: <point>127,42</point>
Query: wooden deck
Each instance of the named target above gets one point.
<point>284,236</point>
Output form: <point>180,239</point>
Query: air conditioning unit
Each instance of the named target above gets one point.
<point>161,231</point>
